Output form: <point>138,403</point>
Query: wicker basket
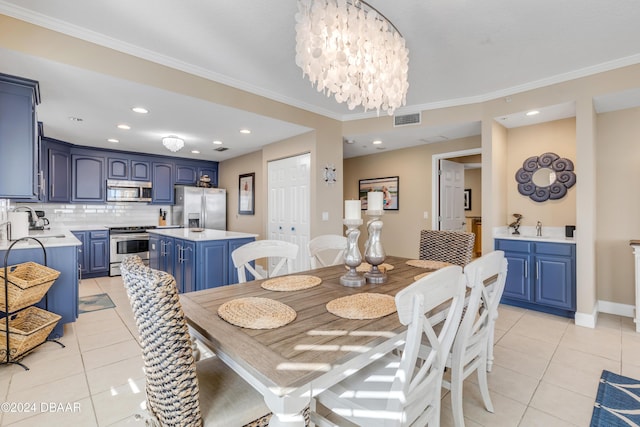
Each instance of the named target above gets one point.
<point>27,329</point>
<point>28,282</point>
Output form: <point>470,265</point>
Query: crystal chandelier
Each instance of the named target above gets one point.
<point>173,143</point>
<point>348,48</point>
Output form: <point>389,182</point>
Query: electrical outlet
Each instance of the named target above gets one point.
<point>426,215</point>
<point>325,216</point>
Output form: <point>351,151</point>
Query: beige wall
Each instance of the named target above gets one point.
<point>557,137</point>
<point>401,232</point>
<point>618,208</point>
<point>473,181</point>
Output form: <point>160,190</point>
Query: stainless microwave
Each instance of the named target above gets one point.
<point>128,191</point>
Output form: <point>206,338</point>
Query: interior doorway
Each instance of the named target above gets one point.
<point>289,204</point>
<point>471,199</point>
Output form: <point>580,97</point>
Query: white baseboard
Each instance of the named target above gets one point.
<point>587,320</point>
<point>624,310</point>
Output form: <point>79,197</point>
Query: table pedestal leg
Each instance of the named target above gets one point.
<point>287,411</point>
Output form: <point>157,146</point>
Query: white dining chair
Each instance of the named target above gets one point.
<point>402,388</point>
<point>470,348</point>
<point>243,256</point>
<point>322,246</point>
<point>495,286</point>
<point>180,391</point>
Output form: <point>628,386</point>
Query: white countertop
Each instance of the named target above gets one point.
<point>201,236</point>
<point>549,234</point>
<point>57,236</point>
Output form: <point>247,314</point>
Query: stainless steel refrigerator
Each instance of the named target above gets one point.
<point>197,207</point>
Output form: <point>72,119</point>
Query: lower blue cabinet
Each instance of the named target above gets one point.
<point>541,275</point>
<point>195,265</point>
<point>93,255</point>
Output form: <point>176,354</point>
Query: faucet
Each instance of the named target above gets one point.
<point>539,229</point>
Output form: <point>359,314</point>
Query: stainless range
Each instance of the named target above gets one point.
<point>123,241</point>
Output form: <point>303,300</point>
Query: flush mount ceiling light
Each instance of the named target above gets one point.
<point>348,48</point>
<point>173,143</point>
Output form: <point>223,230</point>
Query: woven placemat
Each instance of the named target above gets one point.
<point>291,283</point>
<point>362,306</point>
<point>421,275</point>
<point>256,313</point>
<point>365,266</point>
<point>427,263</point>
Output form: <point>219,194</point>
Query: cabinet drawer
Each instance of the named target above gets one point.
<point>563,249</point>
<point>514,245</point>
<point>100,234</point>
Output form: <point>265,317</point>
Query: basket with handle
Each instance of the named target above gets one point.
<point>27,283</point>
<point>27,329</point>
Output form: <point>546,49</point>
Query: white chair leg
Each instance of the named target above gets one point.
<point>484,385</point>
<point>490,346</point>
<point>457,382</point>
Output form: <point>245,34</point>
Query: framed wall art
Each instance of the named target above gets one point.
<point>389,186</point>
<point>247,194</point>
<point>467,199</point>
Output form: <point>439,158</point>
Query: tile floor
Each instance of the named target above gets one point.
<point>545,374</point>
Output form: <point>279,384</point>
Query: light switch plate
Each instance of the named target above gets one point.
<point>325,216</point>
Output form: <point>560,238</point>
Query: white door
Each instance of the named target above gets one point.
<point>290,204</point>
<point>451,196</point>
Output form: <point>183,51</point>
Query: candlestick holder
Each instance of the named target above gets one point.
<point>352,258</point>
<point>374,252</point>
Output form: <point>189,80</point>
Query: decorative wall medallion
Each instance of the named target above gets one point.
<point>545,177</point>
<point>329,174</point>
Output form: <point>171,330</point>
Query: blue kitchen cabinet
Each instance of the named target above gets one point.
<point>57,171</point>
<point>62,297</point>
<point>20,174</point>
<point>88,183</point>
<point>195,265</point>
<point>541,275</point>
<point>94,253</point>
<point>128,169</point>
<point>185,265</point>
<point>211,171</point>
<point>233,272</point>
<point>162,182</point>
<point>186,173</point>
<point>213,259</point>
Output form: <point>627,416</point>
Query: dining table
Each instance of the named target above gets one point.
<point>290,364</point>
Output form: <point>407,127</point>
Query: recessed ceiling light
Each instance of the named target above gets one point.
<point>195,151</point>
<point>125,127</point>
<point>350,141</point>
<point>216,142</point>
<point>75,119</point>
<point>377,142</point>
<point>140,110</point>
<point>246,131</point>
<point>113,140</point>
<point>533,112</point>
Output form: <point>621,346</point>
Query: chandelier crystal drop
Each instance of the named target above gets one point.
<point>173,143</point>
<point>347,48</point>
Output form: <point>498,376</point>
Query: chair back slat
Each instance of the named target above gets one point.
<point>320,246</point>
<point>245,254</point>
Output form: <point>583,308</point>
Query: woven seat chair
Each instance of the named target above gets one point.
<point>455,247</point>
<point>179,391</point>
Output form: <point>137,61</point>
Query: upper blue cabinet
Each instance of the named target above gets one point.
<point>88,183</point>
<point>128,169</point>
<point>20,175</point>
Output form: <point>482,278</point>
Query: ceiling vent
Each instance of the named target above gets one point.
<point>220,149</point>
<point>407,119</point>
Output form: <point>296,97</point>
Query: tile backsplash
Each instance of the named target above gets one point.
<point>111,214</point>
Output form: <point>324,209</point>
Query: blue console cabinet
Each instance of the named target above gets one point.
<point>62,297</point>
<point>541,275</point>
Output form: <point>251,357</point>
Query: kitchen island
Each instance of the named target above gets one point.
<point>61,248</point>
<point>197,259</point>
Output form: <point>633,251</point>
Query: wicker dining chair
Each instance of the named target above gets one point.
<point>455,247</point>
<point>179,391</point>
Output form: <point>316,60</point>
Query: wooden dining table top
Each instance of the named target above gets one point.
<point>313,345</point>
